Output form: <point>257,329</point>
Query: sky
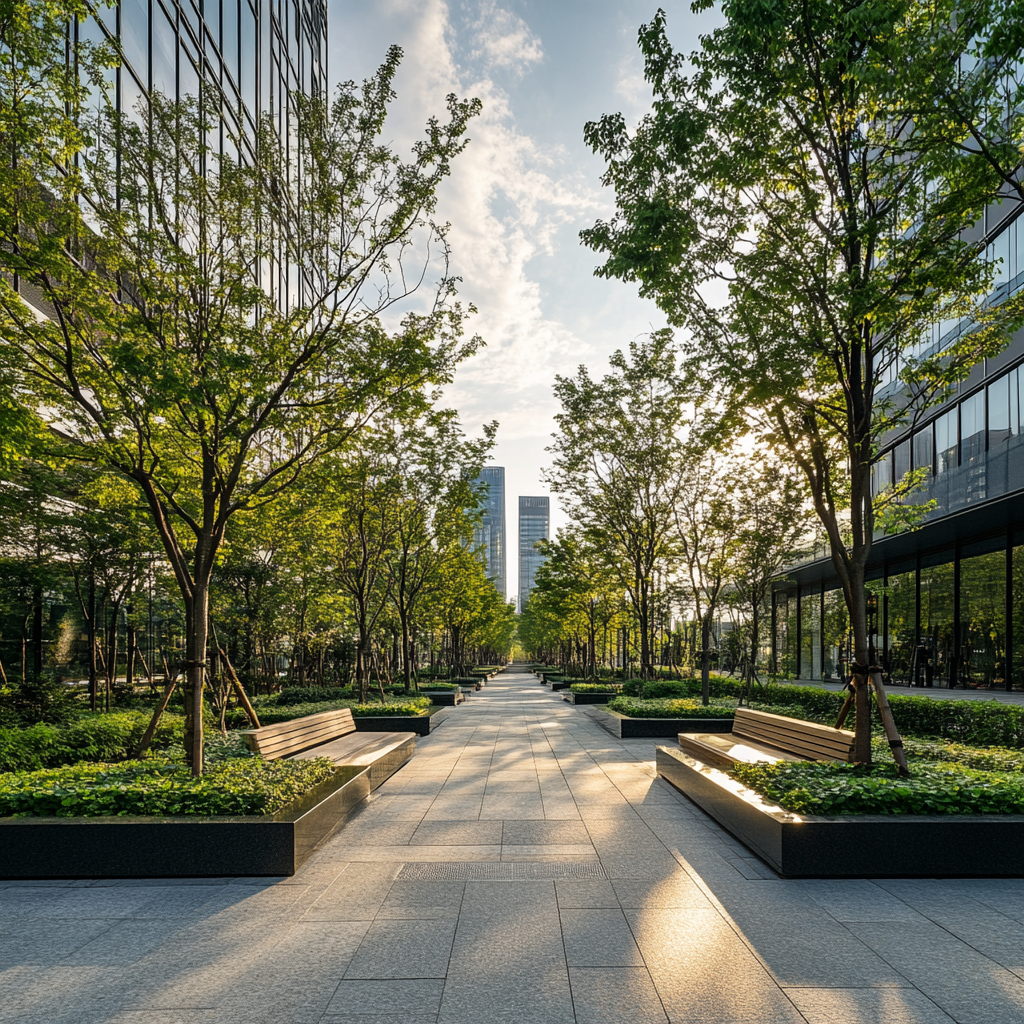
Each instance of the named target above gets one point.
<point>522,191</point>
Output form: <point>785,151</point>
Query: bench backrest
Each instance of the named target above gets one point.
<point>806,739</point>
<point>287,738</point>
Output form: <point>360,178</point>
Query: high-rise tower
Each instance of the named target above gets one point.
<point>490,535</point>
<point>534,525</point>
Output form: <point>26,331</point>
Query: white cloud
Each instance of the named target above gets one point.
<point>504,40</point>
<point>506,199</point>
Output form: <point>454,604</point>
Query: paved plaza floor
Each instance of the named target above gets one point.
<point>524,868</point>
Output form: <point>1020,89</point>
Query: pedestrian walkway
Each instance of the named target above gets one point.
<point>524,868</point>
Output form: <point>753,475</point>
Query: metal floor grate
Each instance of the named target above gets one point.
<point>498,870</point>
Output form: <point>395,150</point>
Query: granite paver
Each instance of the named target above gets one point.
<point>525,866</point>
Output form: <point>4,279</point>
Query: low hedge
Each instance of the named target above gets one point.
<point>595,688</point>
<point>439,686</point>
<point>234,786</point>
<point>269,714</point>
<point>91,737</point>
<point>810,787</point>
<point>671,707</point>
<point>311,694</point>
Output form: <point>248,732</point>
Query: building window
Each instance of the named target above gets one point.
<point>901,461</point>
<point>946,442</point>
<point>135,35</point>
<point>972,427</point>
<point>937,660</point>
<point>923,450</point>
<point>982,654</point>
<point>1002,398</point>
<point>164,47</point>
<point>901,609</point>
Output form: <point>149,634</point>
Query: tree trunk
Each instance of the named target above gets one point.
<point>406,654</point>
<point>860,668</point>
<point>91,636</point>
<point>705,658</point>
<point>37,631</point>
<point>196,617</point>
<point>130,642</point>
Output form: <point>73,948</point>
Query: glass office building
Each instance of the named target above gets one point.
<point>251,57</point>
<point>534,525</point>
<point>490,534</point>
<point>949,596</point>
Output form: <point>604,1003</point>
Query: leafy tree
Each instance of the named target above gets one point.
<point>772,519</point>
<point>617,451</point>
<point>430,513</point>
<point>213,327</point>
<point>705,519</point>
<point>776,205</point>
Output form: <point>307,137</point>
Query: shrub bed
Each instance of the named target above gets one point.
<point>669,707</point>
<point>595,688</point>
<point>92,737</point>
<point>439,686</point>
<point>270,714</point>
<point>996,759</point>
<point>234,786</point>
<point>806,787</point>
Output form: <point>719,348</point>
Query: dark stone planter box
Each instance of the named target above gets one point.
<point>559,684</point>
<point>851,845</point>
<point>419,724</point>
<point>660,728</point>
<point>180,846</point>
<point>590,698</point>
<point>446,698</point>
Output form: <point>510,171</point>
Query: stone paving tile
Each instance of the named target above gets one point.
<point>437,832</point>
<point>536,833</point>
<point>395,996</point>
<point>866,1006</point>
<point>598,938</point>
<point>602,996</point>
<point>404,949</point>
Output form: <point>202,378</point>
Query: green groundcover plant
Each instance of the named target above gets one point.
<point>92,737</point>
<point>232,786</point>
<point>671,707</point>
<point>608,687</point>
<point>271,714</point>
<point>439,686</point>
<point>808,787</point>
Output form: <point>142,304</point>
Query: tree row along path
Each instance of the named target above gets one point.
<point>524,868</point>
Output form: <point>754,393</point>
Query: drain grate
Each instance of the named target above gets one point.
<point>498,870</point>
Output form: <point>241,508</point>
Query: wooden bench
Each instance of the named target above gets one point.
<point>759,736</point>
<point>333,734</point>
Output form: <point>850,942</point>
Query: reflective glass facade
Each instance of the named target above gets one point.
<point>253,57</point>
<point>490,535</point>
<point>951,619</point>
<point>950,594</point>
<point>534,525</point>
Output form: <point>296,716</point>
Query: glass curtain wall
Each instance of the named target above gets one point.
<point>837,647</point>
<point>982,655</point>
<point>1017,616</point>
<point>937,661</point>
<point>810,633</point>
<point>901,604</point>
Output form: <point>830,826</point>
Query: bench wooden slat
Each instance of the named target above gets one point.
<point>285,738</point>
<point>798,741</point>
<point>772,733</point>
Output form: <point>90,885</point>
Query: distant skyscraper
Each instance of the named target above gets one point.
<point>534,524</point>
<point>490,535</point>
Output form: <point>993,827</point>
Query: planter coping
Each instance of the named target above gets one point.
<point>821,845</point>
